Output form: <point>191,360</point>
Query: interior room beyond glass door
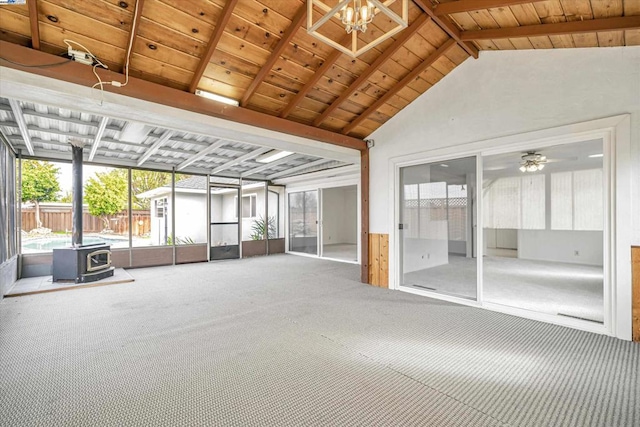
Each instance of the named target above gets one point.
<point>437,227</point>
<point>544,230</point>
<point>225,229</point>
<point>303,222</point>
<point>339,224</point>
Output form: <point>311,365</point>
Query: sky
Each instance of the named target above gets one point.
<point>65,176</point>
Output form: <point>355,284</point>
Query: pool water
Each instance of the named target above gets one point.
<point>49,243</point>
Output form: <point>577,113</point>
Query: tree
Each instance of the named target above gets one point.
<point>106,194</point>
<point>142,181</point>
<point>39,184</point>
<point>260,225</point>
<point>67,197</point>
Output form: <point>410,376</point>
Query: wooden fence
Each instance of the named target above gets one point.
<point>58,218</point>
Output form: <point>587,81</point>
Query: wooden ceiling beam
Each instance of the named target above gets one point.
<point>471,5</point>
<point>223,19</point>
<point>77,73</point>
<point>291,31</point>
<point>380,60</point>
<point>320,72</point>
<point>448,27</point>
<point>575,27</point>
<point>402,83</point>
<point>135,23</point>
<point>33,21</point>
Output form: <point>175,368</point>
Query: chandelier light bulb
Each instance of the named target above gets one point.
<point>355,16</point>
<point>348,14</point>
<point>364,12</point>
<point>532,162</point>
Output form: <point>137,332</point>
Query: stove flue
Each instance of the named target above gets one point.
<point>80,263</point>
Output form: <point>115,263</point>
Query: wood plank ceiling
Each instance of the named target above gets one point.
<point>258,51</point>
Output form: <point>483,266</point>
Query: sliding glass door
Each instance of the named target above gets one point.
<point>437,227</point>
<point>543,238</point>
<point>544,230</point>
<point>303,222</point>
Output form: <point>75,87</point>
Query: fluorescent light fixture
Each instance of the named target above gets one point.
<point>273,155</point>
<point>134,132</point>
<point>216,97</point>
<point>444,166</point>
<point>596,155</point>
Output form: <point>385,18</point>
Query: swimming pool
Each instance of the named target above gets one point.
<point>46,244</point>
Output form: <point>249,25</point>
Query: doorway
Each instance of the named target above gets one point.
<point>224,222</point>
<point>548,222</point>
<point>303,222</point>
<point>339,223</point>
<point>544,216</point>
<point>437,227</point>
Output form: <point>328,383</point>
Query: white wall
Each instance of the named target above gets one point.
<point>228,209</point>
<point>561,246</point>
<point>247,223</point>
<point>339,215</point>
<point>510,92</point>
<point>420,254</point>
<point>191,216</point>
<point>276,209</point>
<point>350,223</point>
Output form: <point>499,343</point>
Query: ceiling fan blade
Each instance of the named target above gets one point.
<point>561,159</point>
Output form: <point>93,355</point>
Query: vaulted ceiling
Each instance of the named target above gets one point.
<point>259,53</point>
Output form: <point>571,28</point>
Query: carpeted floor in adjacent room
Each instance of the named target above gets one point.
<point>286,340</point>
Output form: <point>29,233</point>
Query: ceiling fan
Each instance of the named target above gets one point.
<point>530,161</point>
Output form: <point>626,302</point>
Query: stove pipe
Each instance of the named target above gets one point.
<point>76,171</point>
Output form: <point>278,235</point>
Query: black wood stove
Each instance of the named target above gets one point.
<point>80,263</point>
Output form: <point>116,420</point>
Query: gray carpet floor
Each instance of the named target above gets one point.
<point>574,290</point>
<point>286,340</point>
<point>343,251</point>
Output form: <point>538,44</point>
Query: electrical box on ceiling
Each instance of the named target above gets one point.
<point>80,56</point>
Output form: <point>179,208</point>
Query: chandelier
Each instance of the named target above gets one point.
<point>354,16</point>
<point>532,162</point>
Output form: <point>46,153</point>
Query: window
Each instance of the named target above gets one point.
<point>160,206</point>
<point>249,203</point>
<point>7,204</point>
<point>436,201</point>
<point>515,203</point>
<point>577,200</point>
<point>457,213</point>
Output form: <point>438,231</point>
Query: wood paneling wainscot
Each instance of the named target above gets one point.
<point>379,260</point>
<point>635,262</point>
